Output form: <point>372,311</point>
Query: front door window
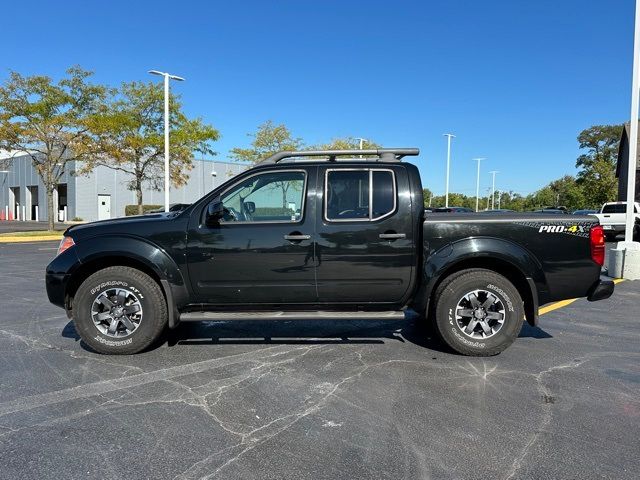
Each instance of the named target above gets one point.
<point>268,197</point>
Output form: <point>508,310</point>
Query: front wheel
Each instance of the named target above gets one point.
<point>478,312</point>
<point>119,310</point>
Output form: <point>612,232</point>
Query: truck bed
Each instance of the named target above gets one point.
<point>554,249</point>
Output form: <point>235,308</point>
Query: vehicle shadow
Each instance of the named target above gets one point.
<point>533,332</point>
<point>412,328</point>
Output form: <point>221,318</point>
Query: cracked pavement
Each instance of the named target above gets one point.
<point>326,399</point>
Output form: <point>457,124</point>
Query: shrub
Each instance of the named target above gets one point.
<point>133,209</point>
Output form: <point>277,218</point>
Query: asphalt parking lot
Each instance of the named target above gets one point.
<point>315,400</point>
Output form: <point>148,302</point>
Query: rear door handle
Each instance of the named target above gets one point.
<point>392,236</point>
<point>296,238</point>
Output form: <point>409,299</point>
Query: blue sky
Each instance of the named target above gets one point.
<point>514,80</point>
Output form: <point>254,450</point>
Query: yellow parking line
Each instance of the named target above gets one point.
<point>555,306</point>
<point>564,303</point>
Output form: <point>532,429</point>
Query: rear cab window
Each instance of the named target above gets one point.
<point>617,208</point>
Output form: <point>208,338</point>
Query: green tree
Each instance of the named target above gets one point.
<point>348,143</point>
<point>427,196</point>
<point>568,192</point>
<point>598,164</point>
<point>50,121</point>
<point>129,135</point>
<point>269,139</point>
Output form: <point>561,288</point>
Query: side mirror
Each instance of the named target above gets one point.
<point>250,207</point>
<point>215,211</point>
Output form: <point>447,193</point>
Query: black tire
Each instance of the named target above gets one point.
<point>150,302</point>
<point>610,237</point>
<point>452,290</point>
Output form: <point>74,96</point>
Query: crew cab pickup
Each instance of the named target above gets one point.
<point>313,234</point>
<point>613,216</point>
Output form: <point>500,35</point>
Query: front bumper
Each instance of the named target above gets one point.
<point>600,290</point>
<point>56,284</point>
<point>58,274</point>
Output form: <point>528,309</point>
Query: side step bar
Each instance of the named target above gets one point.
<point>301,315</point>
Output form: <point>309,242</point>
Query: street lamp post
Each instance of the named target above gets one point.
<point>493,188</point>
<point>478,182</point>
<point>446,195</point>
<point>362,140</point>
<point>167,77</point>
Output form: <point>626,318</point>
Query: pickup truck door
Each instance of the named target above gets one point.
<point>365,243</point>
<point>262,250</point>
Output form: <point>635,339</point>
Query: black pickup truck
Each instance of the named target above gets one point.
<point>314,234</point>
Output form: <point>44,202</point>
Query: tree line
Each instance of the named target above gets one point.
<point>77,120</point>
<point>595,182</point>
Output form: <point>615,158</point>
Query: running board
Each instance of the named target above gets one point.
<point>299,315</point>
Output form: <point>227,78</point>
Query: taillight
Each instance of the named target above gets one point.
<point>66,243</point>
<point>596,237</point>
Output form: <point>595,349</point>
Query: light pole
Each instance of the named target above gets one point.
<point>362,140</point>
<point>493,188</point>
<point>167,77</point>
<point>446,194</point>
<point>478,182</point>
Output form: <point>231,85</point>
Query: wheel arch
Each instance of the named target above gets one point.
<point>503,257</point>
<point>99,253</point>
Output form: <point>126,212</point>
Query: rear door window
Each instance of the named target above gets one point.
<point>359,194</point>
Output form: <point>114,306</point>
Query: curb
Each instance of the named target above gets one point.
<point>35,238</point>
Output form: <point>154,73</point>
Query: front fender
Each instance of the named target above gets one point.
<point>114,248</point>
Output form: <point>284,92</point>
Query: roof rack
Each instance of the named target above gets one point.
<point>380,154</point>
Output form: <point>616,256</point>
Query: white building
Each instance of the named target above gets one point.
<point>100,195</point>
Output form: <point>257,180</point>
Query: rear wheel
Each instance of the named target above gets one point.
<point>119,310</point>
<point>478,312</point>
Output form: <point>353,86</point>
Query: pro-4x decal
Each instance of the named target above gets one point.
<point>579,229</point>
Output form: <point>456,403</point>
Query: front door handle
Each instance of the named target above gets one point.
<point>392,236</point>
<point>293,237</point>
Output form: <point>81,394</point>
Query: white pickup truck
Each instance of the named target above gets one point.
<point>612,217</point>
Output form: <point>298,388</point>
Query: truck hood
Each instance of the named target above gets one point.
<point>130,224</point>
